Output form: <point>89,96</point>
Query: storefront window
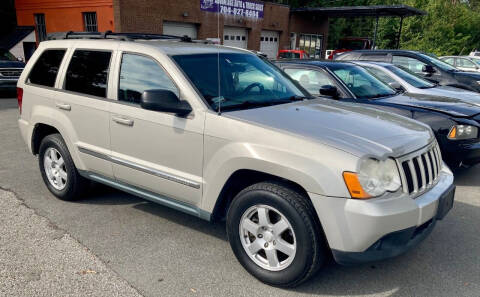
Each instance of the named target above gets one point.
<point>312,44</point>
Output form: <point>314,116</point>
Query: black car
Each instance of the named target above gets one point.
<point>455,121</point>
<point>426,65</point>
<point>10,70</point>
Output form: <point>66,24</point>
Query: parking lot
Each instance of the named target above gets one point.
<point>162,252</point>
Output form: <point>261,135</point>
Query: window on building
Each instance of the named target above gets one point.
<point>40,26</point>
<point>45,70</point>
<point>90,21</point>
<point>225,37</point>
<point>88,72</point>
<point>140,73</point>
<point>312,44</point>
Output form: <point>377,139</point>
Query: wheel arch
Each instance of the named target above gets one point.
<point>243,178</point>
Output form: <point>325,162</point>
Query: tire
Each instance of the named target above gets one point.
<point>71,185</point>
<point>303,232</point>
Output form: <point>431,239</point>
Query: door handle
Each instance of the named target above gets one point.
<point>64,106</point>
<point>123,121</point>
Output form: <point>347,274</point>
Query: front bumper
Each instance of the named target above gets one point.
<point>368,230</point>
<point>462,153</point>
<point>8,84</point>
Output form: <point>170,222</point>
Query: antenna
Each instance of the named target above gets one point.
<point>220,99</point>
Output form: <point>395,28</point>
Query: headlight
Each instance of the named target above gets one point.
<point>373,179</point>
<point>459,132</point>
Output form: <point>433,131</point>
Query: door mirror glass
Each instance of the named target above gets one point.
<point>164,100</point>
<point>328,90</point>
<point>396,86</point>
<point>428,69</point>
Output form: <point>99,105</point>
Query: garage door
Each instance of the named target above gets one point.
<point>269,43</point>
<point>233,36</point>
<point>180,29</point>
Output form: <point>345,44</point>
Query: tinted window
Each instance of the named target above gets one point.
<point>363,84</point>
<point>237,81</point>
<point>410,78</point>
<point>380,74</point>
<point>289,55</point>
<point>139,73</point>
<point>465,63</point>
<point>411,64</point>
<point>310,79</point>
<point>88,72</point>
<point>6,56</point>
<point>45,70</point>
<point>377,58</point>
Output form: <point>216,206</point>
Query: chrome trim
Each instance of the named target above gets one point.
<point>142,168</point>
<point>154,197</point>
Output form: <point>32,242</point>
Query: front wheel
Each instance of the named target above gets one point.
<point>274,234</point>
<point>58,170</point>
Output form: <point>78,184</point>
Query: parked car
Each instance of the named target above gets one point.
<point>220,133</point>
<point>420,63</point>
<point>463,63</point>
<point>454,120</point>
<point>328,53</point>
<point>10,70</point>
<point>292,54</point>
<point>351,43</point>
<point>403,80</point>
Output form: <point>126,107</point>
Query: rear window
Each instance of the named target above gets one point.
<point>88,73</point>
<point>45,70</point>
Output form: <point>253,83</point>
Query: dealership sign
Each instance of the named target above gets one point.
<point>245,8</point>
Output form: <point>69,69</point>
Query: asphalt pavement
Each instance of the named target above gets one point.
<point>162,252</point>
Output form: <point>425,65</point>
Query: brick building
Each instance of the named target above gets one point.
<point>252,24</point>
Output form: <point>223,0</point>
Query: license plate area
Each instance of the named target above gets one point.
<point>445,203</point>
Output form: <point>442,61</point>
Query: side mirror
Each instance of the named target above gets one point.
<point>428,69</point>
<point>166,101</point>
<point>396,86</point>
<point>329,90</point>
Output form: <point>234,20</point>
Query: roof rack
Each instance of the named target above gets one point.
<point>117,36</point>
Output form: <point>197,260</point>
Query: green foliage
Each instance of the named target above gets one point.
<point>451,27</point>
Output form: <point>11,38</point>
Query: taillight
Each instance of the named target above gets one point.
<point>20,98</point>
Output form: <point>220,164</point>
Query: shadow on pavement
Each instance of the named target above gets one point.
<point>468,176</point>
<point>449,257</point>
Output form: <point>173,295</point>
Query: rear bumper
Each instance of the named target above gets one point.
<point>363,231</point>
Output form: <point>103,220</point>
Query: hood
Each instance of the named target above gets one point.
<point>350,127</point>
<point>458,106</point>
<point>11,64</point>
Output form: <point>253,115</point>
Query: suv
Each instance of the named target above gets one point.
<point>423,64</point>
<point>219,133</point>
<point>10,70</point>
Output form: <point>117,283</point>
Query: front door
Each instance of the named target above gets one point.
<point>155,151</point>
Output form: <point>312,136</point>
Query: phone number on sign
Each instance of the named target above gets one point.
<point>239,11</point>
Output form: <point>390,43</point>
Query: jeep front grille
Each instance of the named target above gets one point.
<point>420,170</point>
<point>10,72</point>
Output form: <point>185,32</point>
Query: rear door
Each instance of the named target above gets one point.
<point>155,151</point>
<point>84,103</point>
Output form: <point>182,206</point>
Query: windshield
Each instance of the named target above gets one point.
<point>246,81</point>
<point>289,55</point>
<point>410,78</point>
<point>360,82</point>
<point>6,56</point>
<point>439,63</point>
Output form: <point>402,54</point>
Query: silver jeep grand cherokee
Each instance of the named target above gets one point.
<point>220,134</point>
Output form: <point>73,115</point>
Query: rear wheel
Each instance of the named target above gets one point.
<point>274,234</point>
<point>58,170</point>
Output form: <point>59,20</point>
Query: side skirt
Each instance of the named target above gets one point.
<point>147,195</point>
